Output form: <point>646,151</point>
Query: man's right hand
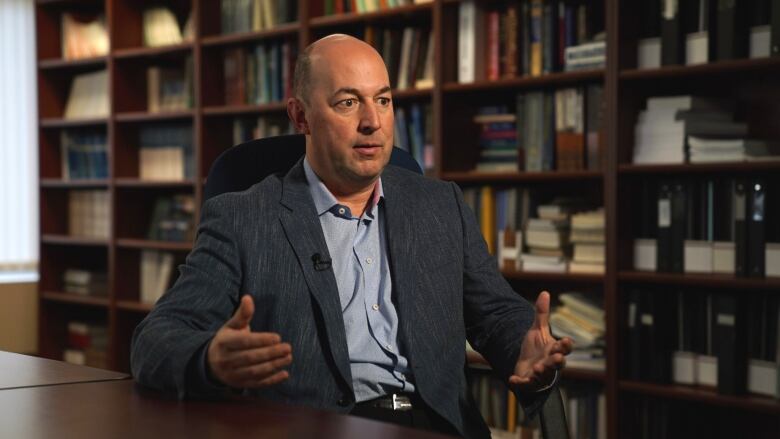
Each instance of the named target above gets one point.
<point>241,358</point>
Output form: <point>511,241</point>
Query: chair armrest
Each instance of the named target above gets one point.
<point>553,418</point>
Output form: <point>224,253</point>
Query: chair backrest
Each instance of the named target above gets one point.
<point>241,166</point>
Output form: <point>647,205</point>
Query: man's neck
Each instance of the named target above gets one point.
<point>356,199</point>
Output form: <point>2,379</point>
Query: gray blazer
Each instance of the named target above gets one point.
<point>446,288</point>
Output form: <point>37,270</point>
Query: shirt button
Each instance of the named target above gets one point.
<point>375,307</point>
<point>389,348</point>
<point>369,260</point>
<point>402,376</point>
<point>342,210</point>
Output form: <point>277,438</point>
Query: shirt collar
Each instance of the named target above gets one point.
<point>324,199</point>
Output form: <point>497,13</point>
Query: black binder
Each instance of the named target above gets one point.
<point>733,33</point>
<point>756,215</point>
<point>729,333</point>
<point>664,245</point>
<point>739,200</point>
<point>774,43</point>
<point>672,33</point>
<point>634,351</point>
<point>679,227</point>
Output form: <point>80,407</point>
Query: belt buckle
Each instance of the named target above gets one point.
<point>401,403</point>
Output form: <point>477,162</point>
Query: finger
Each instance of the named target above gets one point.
<point>261,371</point>
<point>242,316</point>
<point>236,341</point>
<point>542,318</point>
<point>248,357</point>
<point>563,346</point>
<point>276,378</point>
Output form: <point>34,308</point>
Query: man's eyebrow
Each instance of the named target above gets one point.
<point>354,91</point>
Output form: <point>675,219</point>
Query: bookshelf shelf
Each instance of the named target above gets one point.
<point>56,296</point>
<point>701,280</point>
<point>73,240</point>
<point>573,373</point>
<point>703,168</point>
<point>153,245</point>
<point>484,177</point>
<point>152,52</point>
<point>134,306</point>
<point>281,30</point>
<point>703,395</point>
<point>560,78</point>
<point>74,64</point>
<point>143,116</point>
<point>553,277</point>
<point>352,18</point>
<point>57,183</point>
<point>738,66</point>
<point>55,122</point>
<point>136,183</point>
<point>237,110</point>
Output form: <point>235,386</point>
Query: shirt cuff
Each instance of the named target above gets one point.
<point>551,385</point>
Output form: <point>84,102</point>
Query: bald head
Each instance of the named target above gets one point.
<point>321,53</point>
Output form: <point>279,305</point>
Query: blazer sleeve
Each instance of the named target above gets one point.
<point>496,317</point>
<point>169,345</point>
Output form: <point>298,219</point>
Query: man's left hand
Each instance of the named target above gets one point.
<point>541,354</point>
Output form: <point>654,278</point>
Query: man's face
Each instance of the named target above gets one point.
<point>349,115</point>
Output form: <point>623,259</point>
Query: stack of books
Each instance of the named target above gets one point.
<point>166,152</point>
<point>497,139</point>
<point>587,237</point>
<point>707,150</point>
<point>85,282</point>
<point>662,131</point>
<point>83,36</point>
<point>88,213</point>
<point>161,27</point>
<point>413,132</point>
<point>260,75</point>
<point>581,318</point>
<point>87,345</point>
<point>547,237</point>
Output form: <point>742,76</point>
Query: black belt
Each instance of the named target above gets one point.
<point>395,401</point>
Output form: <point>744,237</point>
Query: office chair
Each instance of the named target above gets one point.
<point>241,166</point>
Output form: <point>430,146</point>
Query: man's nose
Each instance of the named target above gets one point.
<point>369,119</point>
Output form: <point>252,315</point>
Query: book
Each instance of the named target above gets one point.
<point>83,35</point>
<point>88,213</point>
<point>88,96</point>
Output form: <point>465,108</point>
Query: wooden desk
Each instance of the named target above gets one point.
<point>121,409</point>
<point>24,371</point>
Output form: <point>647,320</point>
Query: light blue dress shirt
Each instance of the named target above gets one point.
<point>358,250</point>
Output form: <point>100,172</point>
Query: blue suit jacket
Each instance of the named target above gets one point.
<point>446,287</point>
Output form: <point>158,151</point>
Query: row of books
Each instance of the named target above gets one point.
<point>709,226</point>
<point>558,130</point>
<point>172,219</point>
<point>584,406</point>
<point>581,317</point>
<point>702,31</point>
<point>260,75</point>
<point>407,52</point>
<point>156,274</point>
<point>85,282</point>
<point>88,96</point>
<point>529,37</point>
<point>83,35</point>
<point>331,7</point>
<point>695,129</point>
<point>84,154</point>
<point>248,128</point>
<point>89,213</point>
<point>166,152</point>
<point>723,340</point>
<point>169,88</point>
<point>87,344</point>
<point>162,27</point>
<point>413,132</point>
<point>256,15</point>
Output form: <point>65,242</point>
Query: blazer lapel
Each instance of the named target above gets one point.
<point>401,230</point>
<point>304,232</point>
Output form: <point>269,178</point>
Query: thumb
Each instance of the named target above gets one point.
<point>542,318</point>
<point>243,314</point>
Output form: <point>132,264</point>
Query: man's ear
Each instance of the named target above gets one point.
<point>297,113</point>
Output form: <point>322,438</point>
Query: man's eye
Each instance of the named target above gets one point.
<point>384,101</point>
<point>348,103</point>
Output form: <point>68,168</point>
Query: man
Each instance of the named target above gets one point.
<point>348,283</point>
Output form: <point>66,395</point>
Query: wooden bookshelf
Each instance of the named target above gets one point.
<point>613,184</point>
